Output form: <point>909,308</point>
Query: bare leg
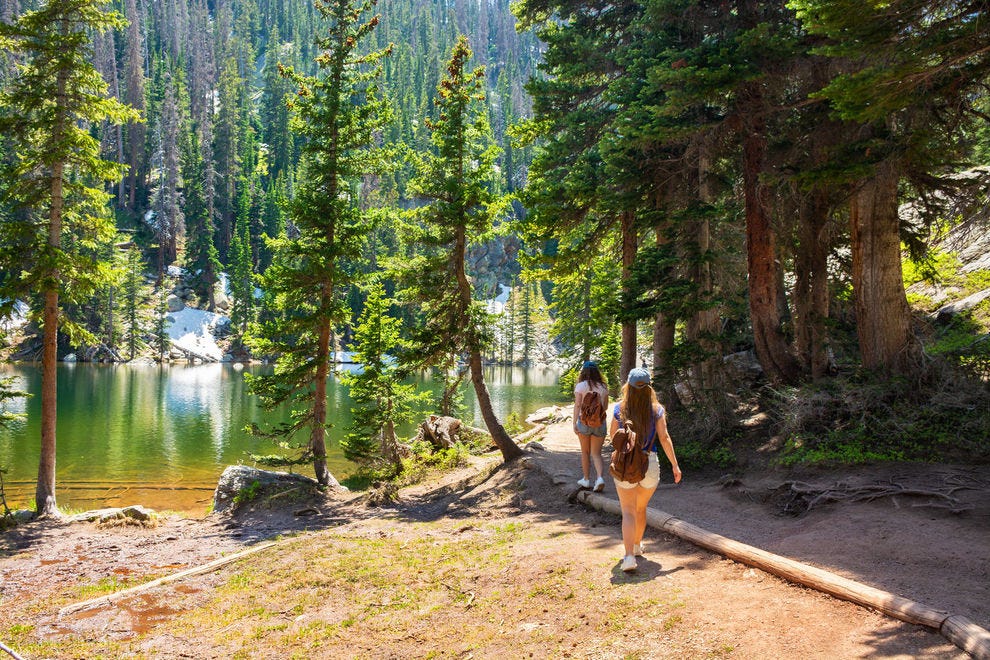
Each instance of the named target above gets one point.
<point>596,455</point>
<point>627,502</point>
<point>643,496</point>
<point>586,441</point>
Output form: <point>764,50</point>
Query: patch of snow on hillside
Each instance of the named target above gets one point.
<point>193,330</point>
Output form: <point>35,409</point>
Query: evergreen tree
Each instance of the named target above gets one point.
<point>381,400</point>
<point>241,279</point>
<point>339,114</point>
<point>456,181</point>
<point>54,180</point>
<point>133,301</point>
<point>201,258</point>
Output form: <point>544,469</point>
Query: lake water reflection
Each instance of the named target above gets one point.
<point>161,436</point>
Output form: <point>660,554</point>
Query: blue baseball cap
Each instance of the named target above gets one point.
<point>589,364</point>
<point>638,377</point>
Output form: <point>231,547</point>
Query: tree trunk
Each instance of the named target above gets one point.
<point>663,375</point>
<point>770,342</point>
<point>883,320</point>
<point>811,285</point>
<point>628,362</point>
<point>510,450</point>
<point>317,438</point>
<point>703,327</point>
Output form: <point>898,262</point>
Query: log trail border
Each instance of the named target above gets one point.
<point>957,628</point>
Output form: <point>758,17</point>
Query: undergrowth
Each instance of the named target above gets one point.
<point>866,418</point>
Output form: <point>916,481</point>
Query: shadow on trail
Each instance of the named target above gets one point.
<point>646,571</point>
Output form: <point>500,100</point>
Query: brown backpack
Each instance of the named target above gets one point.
<point>629,461</point>
<point>592,410</point>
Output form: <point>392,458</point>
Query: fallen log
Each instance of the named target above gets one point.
<point>196,570</point>
<point>956,628</point>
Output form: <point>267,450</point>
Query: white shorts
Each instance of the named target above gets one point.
<point>652,478</point>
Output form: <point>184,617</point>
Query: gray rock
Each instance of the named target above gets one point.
<point>743,365</point>
<point>946,312</point>
<point>237,479</point>
<point>137,512</point>
<point>174,303</point>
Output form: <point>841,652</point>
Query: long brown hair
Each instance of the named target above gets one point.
<point>638,406</point>
<point>591,374</point>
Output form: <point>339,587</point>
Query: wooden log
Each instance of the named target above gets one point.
<point>536,430</point>
<point>968,636</point>
<point>196,570</point>
<point>956,628</point>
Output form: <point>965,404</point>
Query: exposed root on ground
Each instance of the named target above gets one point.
<point>796,498</point>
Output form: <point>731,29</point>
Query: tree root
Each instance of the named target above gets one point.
<point>796,498</point>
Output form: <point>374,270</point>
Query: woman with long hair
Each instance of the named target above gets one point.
<point>590,433</point>
<point>639,405</point>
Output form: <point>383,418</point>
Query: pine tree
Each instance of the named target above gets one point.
<point>54,181</point>
<point>241,279</point>
<point>339,114</point>
<point>201,258</point>
<point>133,301</point>
<point>456,181</point>
<point>380,399</point>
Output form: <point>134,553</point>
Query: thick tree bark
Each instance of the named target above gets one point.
<point>703,327</point>
<point>883,319</point>
<point>628,362</point>
<point>771,345</point>
<point>811,284</point>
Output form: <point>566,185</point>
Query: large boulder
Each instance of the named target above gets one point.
<point>175,303</point>
<point>240,483</point>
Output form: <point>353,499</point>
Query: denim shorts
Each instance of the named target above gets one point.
<point>584,429</point>
<point>652,478</point>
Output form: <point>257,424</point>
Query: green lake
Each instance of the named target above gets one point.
<point>161,436</point>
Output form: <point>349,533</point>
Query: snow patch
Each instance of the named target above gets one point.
<point>193,330</point>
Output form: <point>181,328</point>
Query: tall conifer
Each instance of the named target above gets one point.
<point>338,112</point>
<point>54,182</point>
<point>456,181</point>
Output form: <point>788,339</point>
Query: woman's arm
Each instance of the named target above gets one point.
<point>668,446</point>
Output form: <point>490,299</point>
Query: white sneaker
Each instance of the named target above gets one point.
<point>599,485</point>
<point>584,483</point>
<point>638,549</point>
<point>628,563</point>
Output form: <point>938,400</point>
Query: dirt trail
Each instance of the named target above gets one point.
<point>555,591</point>
<point>909,545</point>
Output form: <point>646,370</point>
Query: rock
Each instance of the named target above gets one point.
<point>221,301</point>
<point>71,357</point>
<point>946,312</point>
<point>549,415</point>
<point>137,512</point>
<point>743,366</point>
<point>17,517</point>
<point>535,445</point>
<point>238,479</point>
<point>174,303</point>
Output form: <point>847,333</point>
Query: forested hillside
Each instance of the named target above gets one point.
<point>702,179</point>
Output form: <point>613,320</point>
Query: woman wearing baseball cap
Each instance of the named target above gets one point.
<point>639,405</point>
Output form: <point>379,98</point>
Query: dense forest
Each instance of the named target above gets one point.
<point>659,182</point>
